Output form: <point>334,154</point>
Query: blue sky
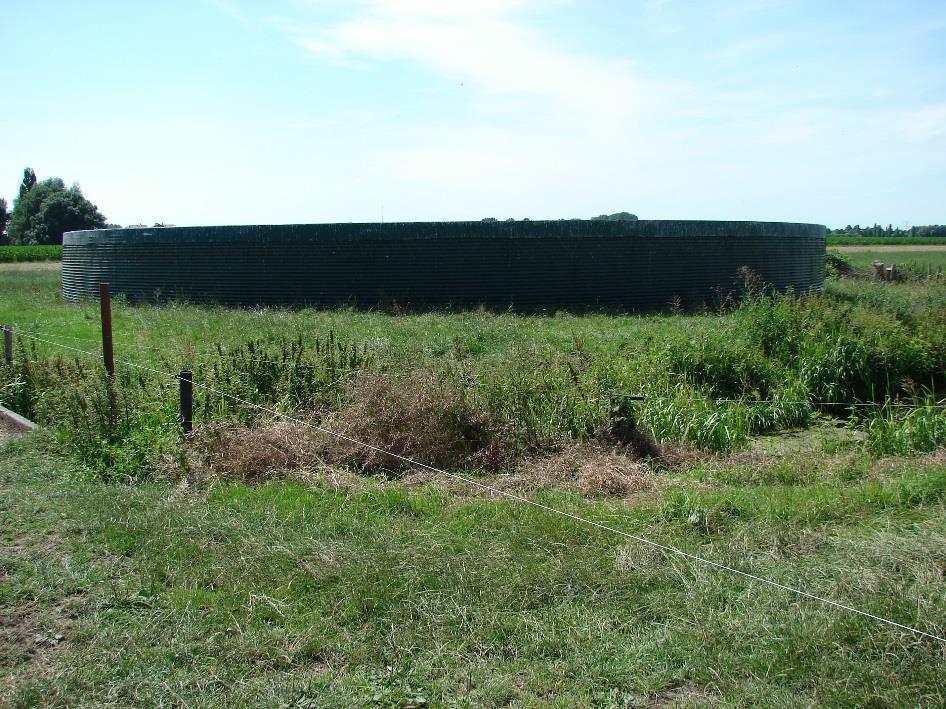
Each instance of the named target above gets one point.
<point>229,111</point>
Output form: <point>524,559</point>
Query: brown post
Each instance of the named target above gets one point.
<point>8,344</point>
<point>105,300</point>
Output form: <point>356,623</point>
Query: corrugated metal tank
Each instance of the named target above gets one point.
<point>524,265</point>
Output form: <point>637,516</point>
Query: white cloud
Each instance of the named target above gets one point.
<point>485,45</point>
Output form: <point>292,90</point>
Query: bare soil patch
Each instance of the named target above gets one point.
<point>8,431</point>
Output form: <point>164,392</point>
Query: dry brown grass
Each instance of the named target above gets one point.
<point>275,450</point>
<point>243,453</point>
<point>416,416</point>
<point>588,469</point>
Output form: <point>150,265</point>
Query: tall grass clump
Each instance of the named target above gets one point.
<point>544,398</point>
<point>686,415</point>
<point>906,431</point>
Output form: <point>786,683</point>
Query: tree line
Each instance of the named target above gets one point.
<point>44,210</point>
<point>929,230</point>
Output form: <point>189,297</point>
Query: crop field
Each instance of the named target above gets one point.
<point>29,254</point>
<point>265,562</point>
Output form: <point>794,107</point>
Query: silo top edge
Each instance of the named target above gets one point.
<point>394,231</point>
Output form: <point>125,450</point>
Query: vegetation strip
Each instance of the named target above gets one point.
<point>21,254</point>
<point>521,499</point>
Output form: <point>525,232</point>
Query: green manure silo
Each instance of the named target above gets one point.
<point>524,265</point>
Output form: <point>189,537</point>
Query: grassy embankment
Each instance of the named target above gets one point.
<point>310,575</point>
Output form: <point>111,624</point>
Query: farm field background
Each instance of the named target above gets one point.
<point>915,257</point>
<point>262,564</point>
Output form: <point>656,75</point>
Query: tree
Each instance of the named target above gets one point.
<point>46,209</point>
<point>29,180</point>
<point>616,217</point>
<point>65,211</point>
<point>4,218</point>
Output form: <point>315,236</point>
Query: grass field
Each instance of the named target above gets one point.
<point>915,258</point>
<point>261,565</point>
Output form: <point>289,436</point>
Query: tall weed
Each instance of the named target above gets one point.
<point>898,431</point>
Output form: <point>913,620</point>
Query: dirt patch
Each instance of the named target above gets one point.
<point>8,431</point>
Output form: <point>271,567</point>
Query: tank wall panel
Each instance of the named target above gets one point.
<point>575,264</point>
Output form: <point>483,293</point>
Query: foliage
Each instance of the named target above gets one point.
<point>116,429</point>
<point>4,218</point>
<point>919,428</point>
<point>28,182</point>
<point>285,373</point>
<point>537,384</point>
<point>876,231</point>
<point>47,209</point>
<point>14,254</point>
<point>616,217</point>
<point>837,264</point>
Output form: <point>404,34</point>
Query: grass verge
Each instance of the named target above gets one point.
<point>283,594</point>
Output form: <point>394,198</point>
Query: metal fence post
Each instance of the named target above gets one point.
<point>187,400</point>
<point>8,344</point>
<point>105,302</point>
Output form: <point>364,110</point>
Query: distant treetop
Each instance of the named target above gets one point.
<point>929,230</point>
<point>616,217</point>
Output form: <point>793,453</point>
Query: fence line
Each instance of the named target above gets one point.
<point>524,500</point>
<point>202,355</point>
<point>889,403</point>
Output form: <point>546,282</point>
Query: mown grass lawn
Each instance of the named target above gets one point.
<point>385,594</point>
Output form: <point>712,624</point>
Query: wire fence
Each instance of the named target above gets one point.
<point>478,484</point>
<point>612,393</point>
